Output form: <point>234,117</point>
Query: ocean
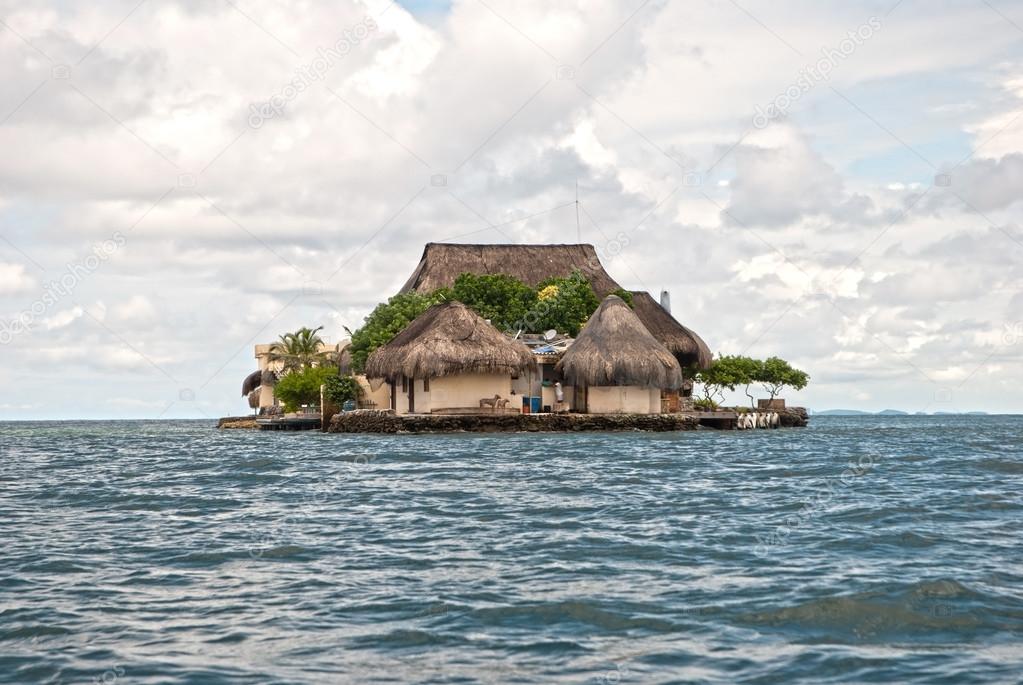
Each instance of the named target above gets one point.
<point>858,550</point>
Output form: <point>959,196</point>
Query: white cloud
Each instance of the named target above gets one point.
<point>822,254</point>
<point>14,278</point>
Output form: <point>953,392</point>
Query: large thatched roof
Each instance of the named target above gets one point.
<point>251,382</point>
<point>442,263</point>
<point>614,348</point>
<point>447,339</point>
<point>687,346</point>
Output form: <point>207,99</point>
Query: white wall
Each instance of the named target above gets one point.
<point>456,392</point>
<point>623,399</point>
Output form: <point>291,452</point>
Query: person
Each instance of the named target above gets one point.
<point>559,396</point>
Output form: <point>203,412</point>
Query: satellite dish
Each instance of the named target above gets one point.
<point>550,335</point>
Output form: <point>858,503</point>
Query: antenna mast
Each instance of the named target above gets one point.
<point>578,230</point>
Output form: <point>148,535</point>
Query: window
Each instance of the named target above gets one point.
<point>404,383</point>
<point>426,385</point>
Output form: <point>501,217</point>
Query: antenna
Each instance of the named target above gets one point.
<point>578,230</point>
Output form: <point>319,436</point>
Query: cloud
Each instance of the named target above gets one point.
<point>14,278</point>
<point>808,239</point>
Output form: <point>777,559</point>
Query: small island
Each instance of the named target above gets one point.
<point>501,338</point>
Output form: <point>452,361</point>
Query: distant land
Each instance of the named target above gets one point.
<point>893,412</point>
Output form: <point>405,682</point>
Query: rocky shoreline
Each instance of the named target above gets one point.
<point>370,421</point>
<point>233,422</point>
<point>373,421</point>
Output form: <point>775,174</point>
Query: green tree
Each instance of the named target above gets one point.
<point>302,386</point>
<point>502,299</point>
<point>723,374</point>
<point>341,389</point>
<point>564,304</point>
<point>746,371</point>
<point>300,349</point>
<point>388,319</point>
<point>776,374</point>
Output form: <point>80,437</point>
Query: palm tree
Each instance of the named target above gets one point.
<point>300,349</point>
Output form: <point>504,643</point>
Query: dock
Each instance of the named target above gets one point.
<point>278,423</point>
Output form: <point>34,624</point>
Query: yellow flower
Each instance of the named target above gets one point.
<point>548,293</point>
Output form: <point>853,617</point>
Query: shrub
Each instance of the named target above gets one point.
<point>341,389</point>
<point>302,386</point>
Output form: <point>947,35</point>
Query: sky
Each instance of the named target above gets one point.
<point>834,183</point>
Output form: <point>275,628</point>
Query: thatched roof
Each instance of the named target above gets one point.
<point>688,348</point>
<point>447,339</point>
<point>251,382</point>
<point>614,348</point>
<point>253,400</point>
<point>442,263</point>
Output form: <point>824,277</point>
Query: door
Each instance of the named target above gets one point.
<point>412,396</point>
<point>394,396</point>
<point>579,400</point>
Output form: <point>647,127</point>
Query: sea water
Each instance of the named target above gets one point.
<point>858,550</point>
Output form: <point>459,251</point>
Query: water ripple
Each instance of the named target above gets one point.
<point>878,549</point>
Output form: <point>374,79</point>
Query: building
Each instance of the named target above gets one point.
<point>442,263</point>
<point>616,366</point>
<point>448,360</point>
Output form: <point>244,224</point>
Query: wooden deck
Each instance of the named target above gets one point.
<point>295,423</point>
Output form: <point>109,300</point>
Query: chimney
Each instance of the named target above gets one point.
<point>666,301</point>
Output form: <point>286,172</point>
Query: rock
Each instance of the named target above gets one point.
<point>231,422</point>
<point>794,417</point>
<point>373,421</point>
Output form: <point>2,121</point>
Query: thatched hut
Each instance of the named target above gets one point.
<point>688,348</point>
<point>251,383</point>
<point>442,263</point>
<point>447,360</point>
<point>616,365</point>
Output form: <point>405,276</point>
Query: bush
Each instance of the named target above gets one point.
<point>566,306</point>
<point>341,389</point>
<point>302,386</point>
<point>704,404</point>
<point>502,299</point>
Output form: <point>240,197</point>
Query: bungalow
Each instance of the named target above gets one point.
<point>616,366</point>
<point>447,360</point>
<point>442,263</point>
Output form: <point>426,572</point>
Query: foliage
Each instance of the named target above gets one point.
<point>547,293</point>
<point>730,371</point>
<point>746,371</point>
<point>704,404</point>
<point>724,374</point>
<point>302,386</point>
<point>501,299</point>
<point>388,319</point>
<point>569,308</point>
<point>340,389</point>
<point>563,304</point>
<point>300,349</point>
<point>776,374</point>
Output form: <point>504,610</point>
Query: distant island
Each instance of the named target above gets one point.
<point>894,412</point>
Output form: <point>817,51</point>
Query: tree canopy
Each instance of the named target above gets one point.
<point>302,386</point>
<point>563,304</point>
<point>300,349</point>
<point>729,371</point>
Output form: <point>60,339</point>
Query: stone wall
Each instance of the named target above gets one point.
<point>385,422</point>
